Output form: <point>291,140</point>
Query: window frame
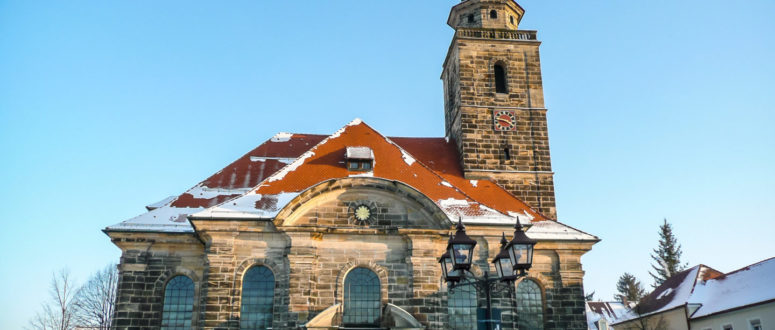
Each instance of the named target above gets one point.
<point>273,296</point>
<point>541,306</point>
<point>471,291</point>
<point>500,79</point>
<point>347,299</point>
<point>165,300</point>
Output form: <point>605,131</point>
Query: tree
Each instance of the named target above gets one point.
<point>629,289</point>
<point>95,301</point>
<point>667,256</point>
<point>57,312</point>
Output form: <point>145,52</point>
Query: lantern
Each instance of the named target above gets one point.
<point>461,248</point>
<point>450,274</point>
<point>520,250</point>
<point>503,264</point>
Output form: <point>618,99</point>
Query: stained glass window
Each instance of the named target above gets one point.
<point>530,306</point>
<point>461,306</point>
<point>257,298</point>
<point>178,304</point>
<point>361,298</point>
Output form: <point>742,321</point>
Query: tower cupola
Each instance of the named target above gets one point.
<point>486,14</point>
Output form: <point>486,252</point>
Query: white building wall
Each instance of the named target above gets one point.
<point>739,319</point>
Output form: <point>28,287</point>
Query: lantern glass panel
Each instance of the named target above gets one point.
<point>519,254</point>
<point>505,264</point>
<point>461,253</point>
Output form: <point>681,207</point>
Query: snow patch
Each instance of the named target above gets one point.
<point>665,293</point>
<point>290,167</point>
<point>162,219</point>
<point>250,206</point>
<point>446,138</point>
<point>451,202</point>
<point>407,158</point>
<point>282,137</point>
<point>201,191</point>
<point>474,183</point>
<point>356,121</point>
<point>445,183</point>
<point>279,159</point>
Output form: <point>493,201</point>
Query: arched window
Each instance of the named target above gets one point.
<point>493,14</point>
<point>178,304</point>
<point>361,298</point>
<point>461,307</point>
<point>530,306</point>
<point>257,298</point>
<point>500,78</point>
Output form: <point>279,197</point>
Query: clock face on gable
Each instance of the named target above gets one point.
<point>504,120</point>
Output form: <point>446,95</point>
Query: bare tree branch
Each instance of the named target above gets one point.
<point>96,299</point>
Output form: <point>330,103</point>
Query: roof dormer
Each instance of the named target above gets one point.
<point>359,159</point>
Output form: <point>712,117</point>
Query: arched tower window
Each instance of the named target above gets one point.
<point>493,14</point>
<point>178,304</point>
<point>257,298</point>
<point>500,78</point>
<point>361,298</point>
<point>530,305</point>
<point>461,307</point>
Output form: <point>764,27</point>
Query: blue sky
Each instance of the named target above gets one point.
<point>657,109</point>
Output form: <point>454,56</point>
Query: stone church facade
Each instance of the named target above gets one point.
<point>345,230</point>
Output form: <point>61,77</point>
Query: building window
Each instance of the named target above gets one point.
<point>470,18</point>
<point>361,298</point>
<point>461,307</point>
<point>511,19</point>
<point>493,14</point>
<point>178,304</point>
<point>755,324</point>
<point>727,327</point>
<point>530,306</point>
<point>500,78</point>
<point>257,298</point>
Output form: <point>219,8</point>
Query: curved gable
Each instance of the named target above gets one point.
<point>392,204</point>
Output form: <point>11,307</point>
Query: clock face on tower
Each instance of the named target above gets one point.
<point>504,120</point>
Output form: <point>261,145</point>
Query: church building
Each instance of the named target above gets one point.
<point>345,231</point>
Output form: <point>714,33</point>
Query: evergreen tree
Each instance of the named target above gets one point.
<point>667,256</point>
<point>629,289</point>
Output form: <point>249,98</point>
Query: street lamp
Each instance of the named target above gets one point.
<point>520,250</point>
<point>461,248</point>
<point>514,258</point>
<point>503,263</point>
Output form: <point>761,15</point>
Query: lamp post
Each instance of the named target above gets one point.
<point>512,262</point>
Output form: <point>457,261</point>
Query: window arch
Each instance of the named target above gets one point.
<point>361,298</point>
<point>257,298</point>
<point>493,13</point>
<point>461,306</point>
<point>500,78</point>
<point>178,303</point>
<point>530,305</point>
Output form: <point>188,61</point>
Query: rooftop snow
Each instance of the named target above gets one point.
<point>747,286</point>
<point>359,153</point>
<point>554,230</point>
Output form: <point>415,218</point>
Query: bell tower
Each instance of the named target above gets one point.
<point>494,101</point>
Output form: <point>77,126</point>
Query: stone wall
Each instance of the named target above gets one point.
<point>471,101</point>
<point>310,262</point>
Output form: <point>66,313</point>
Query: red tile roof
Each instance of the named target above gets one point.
<point>290,163</point>
<point>427,164</point>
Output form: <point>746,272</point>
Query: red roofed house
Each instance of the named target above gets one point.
<point>345,230</point>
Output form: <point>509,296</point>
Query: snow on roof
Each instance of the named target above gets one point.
<point>162,219</point>
<point>554,230</point>
<point>750,285</point>
<point>674,292</point>
<point>283,166</point>
<point>359,153</point>
<point>483,204</point>
<point>160,203</point>
<point>611,311</point>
